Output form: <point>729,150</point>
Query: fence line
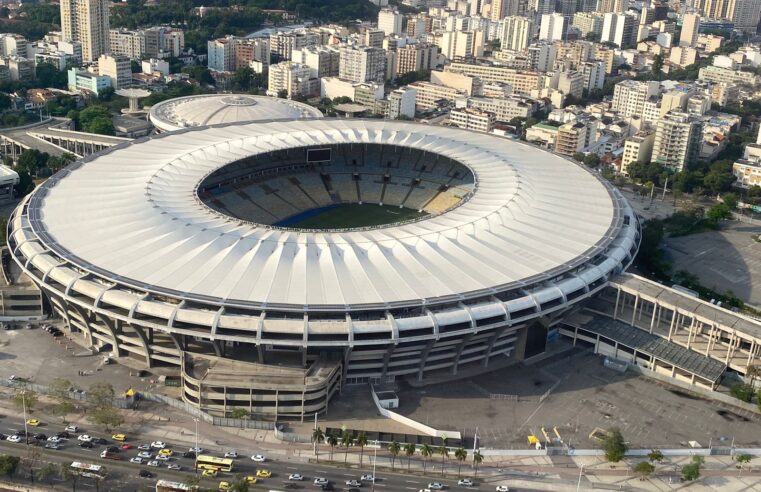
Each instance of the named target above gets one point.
<point>290,436</point>
<point>126,403</point>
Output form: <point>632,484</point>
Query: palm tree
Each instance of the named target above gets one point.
<point>444,452</point>
<point>409,450</point>
<point>317,436</point>
<point>394,448</point>
<point>460,454</point>
<point>425,451</point>
<point>361,442</point>
<point>346,442</point>
<point>477,459</point>
<point>332,441</point>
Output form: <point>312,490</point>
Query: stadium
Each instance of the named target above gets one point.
<point>270,263</point>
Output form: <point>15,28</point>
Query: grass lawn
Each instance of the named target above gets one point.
<point>355,215</point>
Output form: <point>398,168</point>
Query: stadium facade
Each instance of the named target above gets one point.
<point>179,251</point>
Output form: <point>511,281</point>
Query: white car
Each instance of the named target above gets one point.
<point>296,477</point>
<point>153,463</point>
<point>71,428</point>
<point>259,458</point>
<point>436,486</point>
<point>144,454</point>
<point>13,438</point>
<point>137,460</point>
<point>158,444</point>
<point>321,481</point>
<point>231,454</point>
<point>84,438</point>
<point>502,488</point>
<point>52,445</point>
<point>144,447</point>
<point>174,466</point>
<point>465,482</point>
<point>55,439</point>
<point>353,483</point>
<point>196,450</point>
<point>163,457</point>
<point>367,478</point>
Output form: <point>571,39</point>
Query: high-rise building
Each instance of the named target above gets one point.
<point>221,54</point>
<point>594,74</point>
<point>252,53</point>
<point>117,68</point>
<point>362,64</point>
<point>457,45</point>
<point>13,45</point>
<point>690,27</point>
<point>374,38</point>
<point>324,61</point>
<point>638,148</point>
<point>517,33</point>
<point>293,78</point>
<point>401,103</point>
<point>86,21</point>
<point>619,29</point>
<point>283,44</point>
<point>472,119</point>
<point>587,22</point>
<point>416,57</point>
<point>552,27</point>
<point>390,21</point>
<point>629,97</point>
<point>677,140</point>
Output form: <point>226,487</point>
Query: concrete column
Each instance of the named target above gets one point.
<point>615,308</point>
<point>729,348</point>
<point>634,309</point>
<point>689,333</point>
<point>652,320</point>
<point>710,339</point>
<point>673,323</point>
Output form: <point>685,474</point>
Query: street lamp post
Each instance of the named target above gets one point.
<point>578,484</point>
<point>23,406</point>
<point>195,451</point>
<point>375,460</point>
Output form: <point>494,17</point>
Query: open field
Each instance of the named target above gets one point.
<point>355,215</point>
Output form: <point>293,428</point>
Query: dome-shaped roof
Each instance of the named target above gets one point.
<point>212,109</point>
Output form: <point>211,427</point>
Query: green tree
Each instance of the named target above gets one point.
<point>579,156</point>
<point>101,395</point>
<point>592,160</point>
<point>239,413</point>
<point>60,388</point>
<point>345,443</point>
<point>65,474</point>
<point>718,212</point>
<point>25,184</point>
<point>32,161</point>
<point>692,471</point>
<point>394,449</point>
<point>46,472</point>
<point>658,65</point>
<point>743,459</point>
<point>425,451</point>
<point>477,460</point>
<point>409,451</point>
<point>644,468</point>
<point>742,391</point>
<point>100,126</point>
<point>730,200</point>
<point>444,452</point>
<point>25,398</point>
<point>63,408</point>
<point>461,455</point>
<point>8,465</point>
<point>108,417</point>
<point>719,177</point>
<point>655,455</point>
<point>332,442</point>
<point>614,446</point>
<point>317,436</point>
<point>361,442</point>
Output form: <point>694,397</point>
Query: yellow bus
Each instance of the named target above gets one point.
<point>205,462</point>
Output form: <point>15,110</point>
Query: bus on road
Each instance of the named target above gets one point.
<point>206,462</point>
<point>87,470</point>
<point>169,486</point>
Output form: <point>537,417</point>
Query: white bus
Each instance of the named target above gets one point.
<point>87,470</point>
<point>168,486</point>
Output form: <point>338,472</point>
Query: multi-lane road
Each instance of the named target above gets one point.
<point>123,475</point>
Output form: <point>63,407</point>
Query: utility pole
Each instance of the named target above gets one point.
<point>195,451</point>
<point>375,460</point>
<point>23,406</point>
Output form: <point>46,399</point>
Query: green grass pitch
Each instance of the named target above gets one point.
<point>353,215</point>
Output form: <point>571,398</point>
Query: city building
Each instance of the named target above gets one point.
<point>221,54</point>
<point>252,53</point>
<point>362,64</point>
<point>118,68</point>
<point>690,29</point>
<point>593,73</point>
<point>552,27</point>
<point>284,43</point>
<point>472,119</point>
<point>638,148</point>
<point>588,22</point>
<point>619,29</point>
<point>401,103</point>
<point>390,21</point>
<point>571,138</point>
<point>522,82</point>
<point>13,45</point>
<point>429,95</point>
<point>325,61</point>
<point>82,80</point>
<point>505,108</point>
<point>677,140</point>
<point>86,22</point>
<point>629,97</point>
<point>19,68</point>
<point>713,73</point>
<point>747,172</point>
<point>517,33</point>
<point>416,57</point>
<point>292,79</point>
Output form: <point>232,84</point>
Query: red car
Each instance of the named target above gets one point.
<point>126,446</point>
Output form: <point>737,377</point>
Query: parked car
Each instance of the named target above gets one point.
<point>86,444</point>
<point>231,454</point>
<point>259,458</point>
<point>295,476</point>
<point>465,482</point>
<point>72,428</point>
<point>145,474</point>
<point>137,460</point>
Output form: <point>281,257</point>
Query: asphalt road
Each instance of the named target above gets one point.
<point>123,475</point>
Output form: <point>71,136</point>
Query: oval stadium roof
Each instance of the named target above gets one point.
<point>138,221</point>
<point>212,109</point>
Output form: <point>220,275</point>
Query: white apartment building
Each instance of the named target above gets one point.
<point>221,54</point>
<point>428,95</point>
<point>619,29</point>
<point>587,22</point>
<point>362,64</point>
<point>552,27</point>
<point>504,109</point>
<point>117,68</point>
<point>86,21</point>
<point>594,75</point>
<point>637,148</point>
<point>677,140</point>
<point>293,78</point>
<point>522,82</point>
<point>629,97</point>
<point>284,43</point>
<point>472,119</point>
<point>690,28</point>
<point>401,103</point>
<point>390,21</point>
<point>416,57</point>
<point>324,61</point>
<point>517,33</point>
<point>127,43</point>
<point>13,45</point>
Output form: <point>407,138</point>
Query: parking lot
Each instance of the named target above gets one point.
<point>588,396</point>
